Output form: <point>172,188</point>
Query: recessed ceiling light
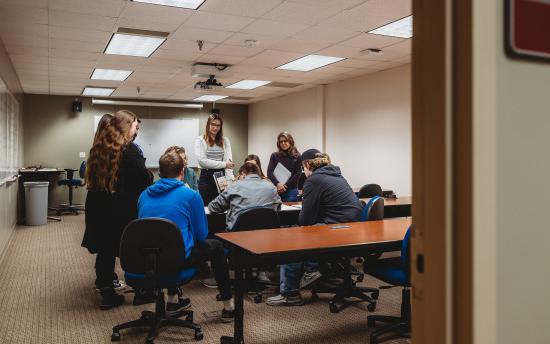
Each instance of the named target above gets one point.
<point>248,84</point>
<point>111,74</point>
<point>97,91</point>
<point>209,98</point>
<point>191,4</point>
<point>132,42</point>
<point>401,28</point>
<point>310,62</point>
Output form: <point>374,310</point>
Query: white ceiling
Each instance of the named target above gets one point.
<point>55,45</point>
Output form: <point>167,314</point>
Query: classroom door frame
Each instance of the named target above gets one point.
<point>442,283</point>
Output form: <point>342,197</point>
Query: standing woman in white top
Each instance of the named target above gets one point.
<point>213,152</point>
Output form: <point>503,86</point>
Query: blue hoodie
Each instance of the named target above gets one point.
<point>170,199</point>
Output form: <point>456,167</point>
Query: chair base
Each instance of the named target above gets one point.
<point>67,209</point>
<point>158,319</point>
<point>397,326</point>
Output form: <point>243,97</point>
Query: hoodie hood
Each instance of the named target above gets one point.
<point>163,185</point>
<point>329,170</point>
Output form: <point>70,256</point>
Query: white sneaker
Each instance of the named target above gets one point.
<point>282,300</point>
<point>309,277</point>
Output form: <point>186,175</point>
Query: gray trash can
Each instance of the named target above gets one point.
<point>36,203</point>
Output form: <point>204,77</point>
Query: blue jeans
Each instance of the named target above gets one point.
<point>292,273</point>
<point>290,195</point>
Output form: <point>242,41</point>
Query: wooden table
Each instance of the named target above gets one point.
<point>284,245</point>
<point>393,207</point>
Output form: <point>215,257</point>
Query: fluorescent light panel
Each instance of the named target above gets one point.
<point>401,28</point>
<point>133,45</point>
<point>111,74</point>
<point>209,98</point>
<point>248,84</point>
<point>143,103</point>
<point>310,62</point>
<point>191,4</point>
<point>97,91</point>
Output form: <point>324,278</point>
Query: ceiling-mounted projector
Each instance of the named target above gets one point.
<point>209,84</point>
<point>205,70</point>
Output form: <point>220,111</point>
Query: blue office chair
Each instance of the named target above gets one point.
<point>251,219</point>
<point>71,183</point>
<point>373,210</point>
<point>395,271</point>
<point>369,190</point>
<point>152,254</point>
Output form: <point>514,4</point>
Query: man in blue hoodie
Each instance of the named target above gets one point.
<point>170,199</point>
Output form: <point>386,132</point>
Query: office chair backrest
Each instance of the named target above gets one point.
<point>256,218</point>
<point>406,253</point>
<point>82,169</point>
<point>147,239</point>
<point>370,190</point>
<point>373,210</point>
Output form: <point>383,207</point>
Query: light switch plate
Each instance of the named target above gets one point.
<point>82,154</point>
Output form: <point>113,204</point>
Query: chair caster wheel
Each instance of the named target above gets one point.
<point>115,337</point>
<point>333,307</point>
<point>371,307</point>
<point>370,322</point>
<point>189,317</point>
<point>218,297</point>
<point>257,298</point>
<point>375,295</point>
<point>199,335</point>
<point>360,278</point>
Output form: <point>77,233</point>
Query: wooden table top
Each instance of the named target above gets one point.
<point>269,241</point>
<point>388,202</point>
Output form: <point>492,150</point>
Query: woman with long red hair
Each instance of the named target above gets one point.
<point>115,177</point>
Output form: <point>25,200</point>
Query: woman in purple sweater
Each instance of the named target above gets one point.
<point>290,162</point>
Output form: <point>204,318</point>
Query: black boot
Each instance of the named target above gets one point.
<point>109,298</point>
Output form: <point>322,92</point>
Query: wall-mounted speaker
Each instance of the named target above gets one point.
<point>77,106</point>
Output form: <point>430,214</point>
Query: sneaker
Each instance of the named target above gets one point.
<point>179,306</point>
<point>262,277</point>
<point>285,300</point>
<point>209,282</point>
<point>227,315</point>
<point>309,277</point>
<point>119,285</point>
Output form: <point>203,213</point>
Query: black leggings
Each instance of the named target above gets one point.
<point>207,186</point>
<point>104,270</point>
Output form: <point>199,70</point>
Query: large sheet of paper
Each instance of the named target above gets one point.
<point>281,173</point>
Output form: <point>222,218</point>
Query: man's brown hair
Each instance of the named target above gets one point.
<point>170,165</point>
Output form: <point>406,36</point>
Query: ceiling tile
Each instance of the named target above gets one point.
<point>73,54</point>
<point>263,41</point>
<point>64,44</point>
<point>82,21</point>
<point>22,50</point>
<point>394,9</point>
<point>274,28</point>
<point>187,46</point>
<point>194,34</point>
<point>80,35</point>
<point>299,13</point>
<point>299,46</point>
<point>357,63</point>
<point>404,47</point>
<point>119,62</point>
<point>339,51</point>
<point>24,15</point>
<point>215,58</point>
<point>177,54</point>
<point>108,8</point>
<point>271,58</point>
<point>325,34</point>
<point>367,40</point>
<point>245,8</point>
<point>235,50</point>
<point>37,41</point>
<point>222,22</point>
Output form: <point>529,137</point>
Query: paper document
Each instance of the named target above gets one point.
<point>281,173</point>
<point>285,207</point>
<point>222,182</point>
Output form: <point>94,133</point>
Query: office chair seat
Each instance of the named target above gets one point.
<point>140,281</point>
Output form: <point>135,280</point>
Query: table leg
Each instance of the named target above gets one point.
<point>238,331</point>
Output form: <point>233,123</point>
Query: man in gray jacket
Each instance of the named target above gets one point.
<point>252,191</point>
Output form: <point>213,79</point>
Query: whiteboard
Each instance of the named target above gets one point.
<point>155,135</point>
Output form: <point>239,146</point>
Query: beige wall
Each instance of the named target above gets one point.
<point>8,192</point>
<point>54,135</point>
<point>364,124</point>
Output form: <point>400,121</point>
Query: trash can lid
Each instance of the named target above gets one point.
<point>36,184</point>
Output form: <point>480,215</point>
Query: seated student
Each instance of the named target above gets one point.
<point>251,191</point>
<point>189,175</point>
<point>328,198</point>
<point>169,198</point>
<point>253,158</point>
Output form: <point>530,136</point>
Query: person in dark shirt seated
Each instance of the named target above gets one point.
<point>170,199</point>
<point>328,198</point>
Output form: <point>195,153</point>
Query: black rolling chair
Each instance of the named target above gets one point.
<point>251,219</point>
<point>372,211</point>
<point>152,254</point>
<point>71,183</point>
<point>395,271</point>
<point>370,190</point>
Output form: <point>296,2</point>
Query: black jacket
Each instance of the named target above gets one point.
<point>328,198</point>
<point>108,213</point>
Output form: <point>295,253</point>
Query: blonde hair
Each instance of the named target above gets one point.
<point>320,160</point>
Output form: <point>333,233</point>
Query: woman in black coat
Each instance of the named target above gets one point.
<point>115,176</point>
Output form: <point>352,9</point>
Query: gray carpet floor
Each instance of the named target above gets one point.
<point>47,296</point>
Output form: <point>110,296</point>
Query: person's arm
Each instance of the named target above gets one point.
<point>204,162</point>
<point>220,203</point>
<point>296,171</point>
<point>136,175</point>
<point>271,168</point>
<point>310,204</point>
<point>228,156</point>
<point>277,199</point>
<point>198,221</point>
